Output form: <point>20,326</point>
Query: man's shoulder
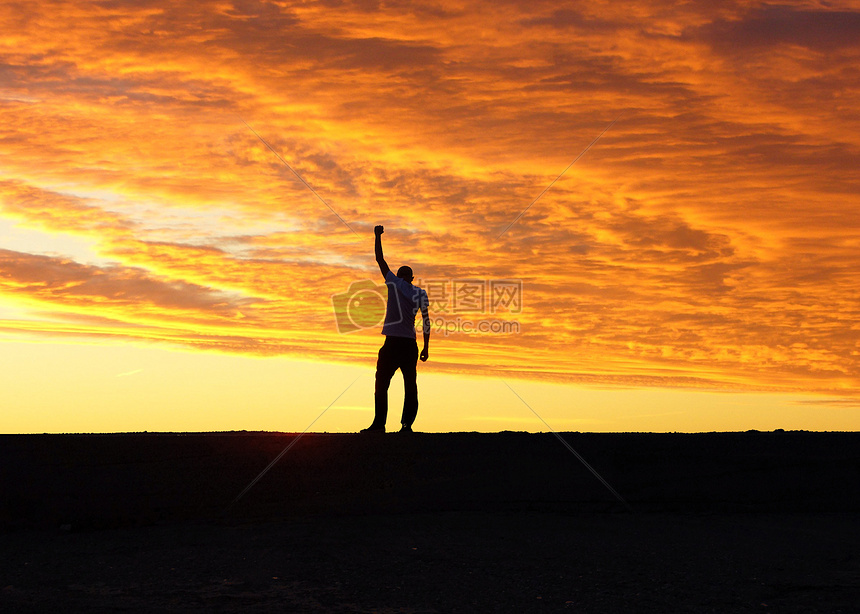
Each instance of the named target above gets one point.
<point>408,290</point>
<point>391,278</point>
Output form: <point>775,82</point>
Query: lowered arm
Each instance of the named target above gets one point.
<point>425,316</point>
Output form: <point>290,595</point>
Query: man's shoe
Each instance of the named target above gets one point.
<point>373,429</point>
<point>405,429</point>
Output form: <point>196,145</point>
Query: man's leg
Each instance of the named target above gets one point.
<point>386,365</point>
<point>408,367</point>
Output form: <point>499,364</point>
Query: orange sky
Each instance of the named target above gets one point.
<point>709,240</point>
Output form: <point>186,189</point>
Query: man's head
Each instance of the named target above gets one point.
<point>405,273</point>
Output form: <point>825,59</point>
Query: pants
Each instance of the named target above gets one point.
<point>397,353</point>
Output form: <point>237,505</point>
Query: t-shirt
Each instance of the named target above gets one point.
<point>404,302</point>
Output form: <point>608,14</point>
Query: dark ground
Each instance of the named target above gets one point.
<point>460,522</point>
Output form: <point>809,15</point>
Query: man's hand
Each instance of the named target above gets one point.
<point>424,355</point>
<point>378,230</point>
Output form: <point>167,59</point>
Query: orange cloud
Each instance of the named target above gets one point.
<point>707,240</point>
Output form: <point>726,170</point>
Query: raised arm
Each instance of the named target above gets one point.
<point>383,267</point>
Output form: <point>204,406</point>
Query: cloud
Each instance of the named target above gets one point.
<point>707,240</point>
<point>762,29</point>
<point>67,283</point>
<point>59,212</point>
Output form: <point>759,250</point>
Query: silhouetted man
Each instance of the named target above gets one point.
<point>400,350</point>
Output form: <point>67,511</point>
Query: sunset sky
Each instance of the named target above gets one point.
<point>698,268</point>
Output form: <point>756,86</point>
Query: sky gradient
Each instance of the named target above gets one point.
<point>709,241</point>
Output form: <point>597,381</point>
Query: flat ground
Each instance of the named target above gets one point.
<point>506,522</point>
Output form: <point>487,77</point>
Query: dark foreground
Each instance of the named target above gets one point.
<point>506,522</point>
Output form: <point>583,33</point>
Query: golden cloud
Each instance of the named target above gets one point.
<point>708,239</point>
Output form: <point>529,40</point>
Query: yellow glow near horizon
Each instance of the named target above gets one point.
<point>702,256</point>
<point>77,388</point>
